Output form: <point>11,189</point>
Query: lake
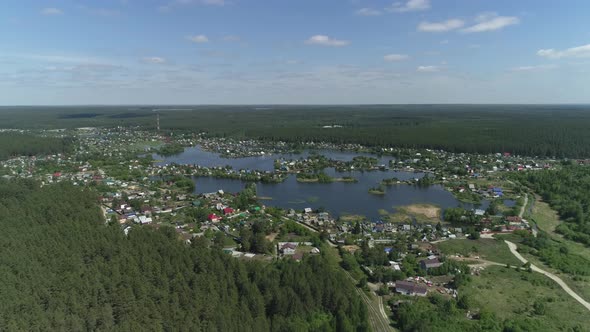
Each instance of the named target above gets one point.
<point>338,197</point>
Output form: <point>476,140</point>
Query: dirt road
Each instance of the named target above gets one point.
<point>552,276</point>
<point>526,201</point>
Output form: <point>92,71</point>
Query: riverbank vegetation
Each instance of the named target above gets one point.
<point>320,177</point>
<point>379,190</point>
<point>170,149</point>
<point>390,181</point>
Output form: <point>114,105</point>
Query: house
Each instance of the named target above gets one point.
<point>513,219</point>
<point>288,249</point>
<point>228,210</point>
<point>430,263</point>
<point>307,210</point>
<point>144,220</point>
<point>395,266</point>
<point>479,212</point>
<point>314,251</point>
<point>213,217</point>
<point>410,288</point>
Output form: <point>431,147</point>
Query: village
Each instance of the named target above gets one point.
<point>136,192</point>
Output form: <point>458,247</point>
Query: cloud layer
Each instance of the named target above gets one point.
<point>443,26</point>
<point>410,6</point>
<point>51,11</point>
<point>199,39</point>
<point>491,22</point>
<point>573,52</point>
<point>395,57</point>
<point>324,40</point>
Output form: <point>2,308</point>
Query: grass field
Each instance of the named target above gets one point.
<point>421,213</point>
<point>547,219</point>
<point>580,285</point>
<point>489,249</point>
<point>428,211</point>
<point>507,292</point>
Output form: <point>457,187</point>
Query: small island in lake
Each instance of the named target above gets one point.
<point>380,190</point>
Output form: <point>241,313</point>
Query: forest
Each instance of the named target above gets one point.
<point>534,130</point>
<point>16,144</point>
<point>64,269</point>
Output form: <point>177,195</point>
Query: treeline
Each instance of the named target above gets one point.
<point>566,190</point>
<point>534,130</point>
<point>64,269</point>
<point>17,144</point>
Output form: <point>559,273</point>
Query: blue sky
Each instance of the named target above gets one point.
<point>294,52</point>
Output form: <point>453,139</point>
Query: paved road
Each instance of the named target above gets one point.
<point>555,278</point>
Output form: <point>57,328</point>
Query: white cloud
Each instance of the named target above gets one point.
<point>410,6</point>
<point>395,57</point>
<point>533,68</point>
<point>198,39</point>
<point>323,40</point>
<point>491,22</point>
<point>427,69</point>
<point>368,12</point>
<point>573,52</point>
<point>443,26</point>
<point>154,60</point>
<point>51,11</point>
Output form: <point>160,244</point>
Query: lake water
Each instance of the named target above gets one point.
<point>196,155</point>
<point>338,198</point>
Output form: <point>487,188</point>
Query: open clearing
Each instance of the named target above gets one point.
<point>421,213</point>
<point>508,292</point>
<point>547,220</point>
<point>488,249</point>
<point>427,210</point>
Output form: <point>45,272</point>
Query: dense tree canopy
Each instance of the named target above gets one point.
<point>566,190</point>
<point>15,144</point>
<point>543,130</point>
<point>64,269</point>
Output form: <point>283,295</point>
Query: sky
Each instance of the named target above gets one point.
<point>108,52</point>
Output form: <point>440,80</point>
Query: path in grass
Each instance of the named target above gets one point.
<point>511,293</point>
<point>526,201</point>
<point>552,276</point>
